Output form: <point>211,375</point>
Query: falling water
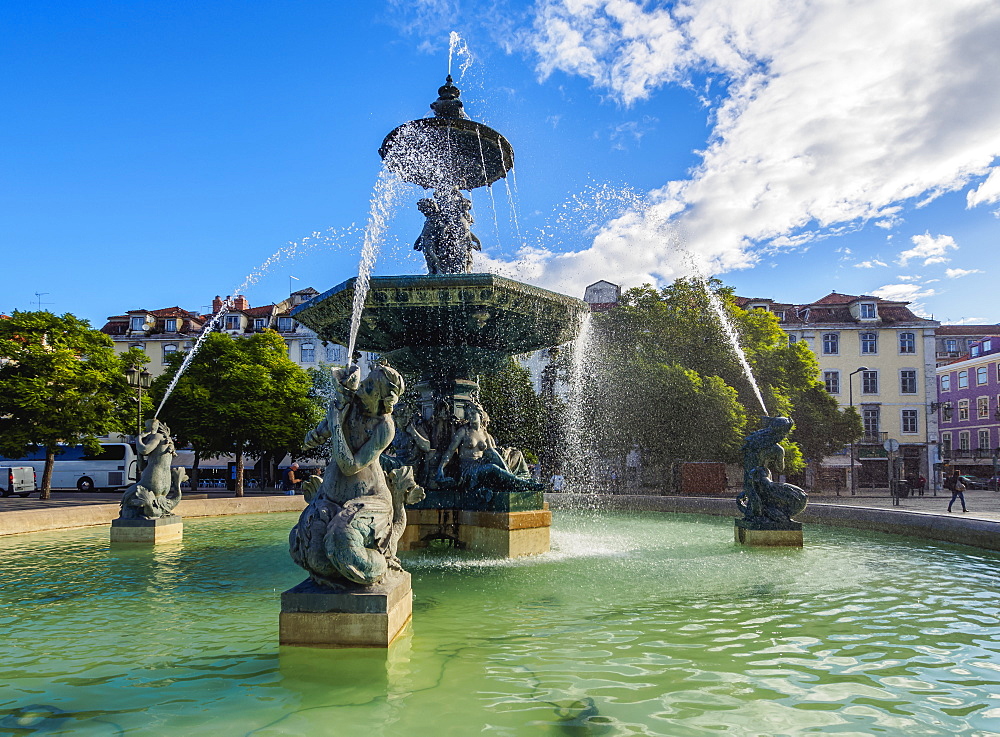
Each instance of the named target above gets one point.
<point>729,330</point>
<point>512,204</point>
<point>384,200</point>
<point>493,202</point>
<point>577,456</point>
<point>458,47</point>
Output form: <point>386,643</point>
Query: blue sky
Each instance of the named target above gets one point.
<point>157,153</point>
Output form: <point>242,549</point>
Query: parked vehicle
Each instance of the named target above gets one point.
<point>115,466</point>
<point>17,480</point>
<point>971,482</point>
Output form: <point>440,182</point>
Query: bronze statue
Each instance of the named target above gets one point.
<point>350,528</point>
<point>763,501</point>
<point>158,489</point>
<point>481,462</point>
<point>447,240</point>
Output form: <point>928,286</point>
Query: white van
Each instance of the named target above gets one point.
<point>19,480</point>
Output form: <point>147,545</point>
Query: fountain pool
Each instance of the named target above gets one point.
<point>645,624</point>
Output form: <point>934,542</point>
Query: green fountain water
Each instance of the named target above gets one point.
<point>633,624</point>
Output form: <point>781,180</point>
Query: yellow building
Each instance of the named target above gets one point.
<point>878,356</point>
<point>160,333</point>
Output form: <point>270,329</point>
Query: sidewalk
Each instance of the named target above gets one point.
<point>982,504</point>
<point>61,498</point>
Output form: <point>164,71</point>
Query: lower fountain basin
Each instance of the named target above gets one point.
<point>455,324</point>
<point>651,624</point>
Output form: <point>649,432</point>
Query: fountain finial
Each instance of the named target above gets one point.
<point>448,105</point>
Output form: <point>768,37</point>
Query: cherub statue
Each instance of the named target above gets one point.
<point>762,499</point>
<point>349,530</point>
<point>158,489</point>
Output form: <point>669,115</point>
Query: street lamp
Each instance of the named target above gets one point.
<point>850,400</point>
<point>138,380</point>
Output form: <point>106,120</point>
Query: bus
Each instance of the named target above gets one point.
<point>114,467</point>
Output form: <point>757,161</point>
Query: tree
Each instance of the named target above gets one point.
<point>243,396</point>
<point>517,416</point>
<point>60,382</point>
<point>670,379</point>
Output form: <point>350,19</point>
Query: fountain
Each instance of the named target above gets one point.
<point>446,328</point>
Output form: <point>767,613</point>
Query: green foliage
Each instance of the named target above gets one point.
<point>60,382</point>
<point>515,409</point>
<point>671,381</point>
<point>242,395</point>
<point>821,427</point>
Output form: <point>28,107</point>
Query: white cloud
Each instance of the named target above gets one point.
<point>911,293</point>
<point>956,273</point>
<point>931,249</point>
<point>965,321</point>
<point>834,114</point>
<point>986,193</point>
<point>869,264</point>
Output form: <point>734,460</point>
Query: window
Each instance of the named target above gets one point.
<point>170,325</point>
<point>168,350</point>
<point>792,340</point>
<point>869,382</point>
<point>307,353</point>
<point>946,412</point>
<point>951,345</point>
<point>259,323</point>
<point>869,342</point>
<point>982,375</point>
<point>870,418</point>
<point>984,439</point>
<point>963,409</point>
<point>907,343</point>
<point>963,440</point>
<point>987,345</point>
<point>831,380</point>
<point>982,407</point>
<point>998,372</point>
<point>974,351</point>
<point>284,324</point>
<point>963,379</point>
<point>867,311</point>
<point>946,443</point>
<point>780,314</point>
<point>946,382</point>
<point>333,353</point>
<point>908,381</point>
<point>831,343</point>
<point>138,323</point>
<point>910,419</point>
<point>232,322</point>
<point>140,346</point>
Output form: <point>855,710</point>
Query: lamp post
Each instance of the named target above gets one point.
<point>850,400</point>
<point>139,380</point>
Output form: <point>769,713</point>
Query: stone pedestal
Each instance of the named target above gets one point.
<point>351,616</point>
<point>764,535</point>
<point>500,534</point>
<point>147,531</point>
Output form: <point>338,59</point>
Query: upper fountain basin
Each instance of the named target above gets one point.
<point>447,152</point>
<point>460,324</point>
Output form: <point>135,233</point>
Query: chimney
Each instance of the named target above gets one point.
<point>240,303</point>
<point>216,304</point>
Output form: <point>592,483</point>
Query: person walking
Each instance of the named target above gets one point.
<point>292,480</point>
<point>558,481</point>
<point>954,484</point>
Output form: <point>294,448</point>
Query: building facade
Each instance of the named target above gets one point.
<point>879,357</point>
<point>968,409</point>
<point>953,341</point>
<point>161,333</point>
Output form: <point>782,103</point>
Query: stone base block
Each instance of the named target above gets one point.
<point>147,531</point>
<point>500,534</point>
<point>772,537</point>
<point>353,616</point>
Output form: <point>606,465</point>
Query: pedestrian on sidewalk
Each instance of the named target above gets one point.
<point>954,484</point>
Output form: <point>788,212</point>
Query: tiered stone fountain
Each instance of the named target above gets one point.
<point>447,328</point>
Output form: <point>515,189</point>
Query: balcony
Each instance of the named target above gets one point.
<point>873,438</point>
